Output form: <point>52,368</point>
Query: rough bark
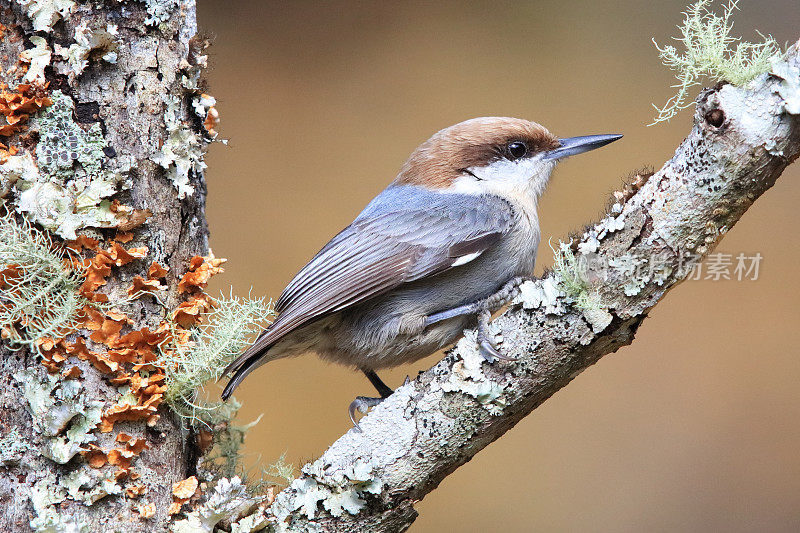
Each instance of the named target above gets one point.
<point>127,99</point>
<point>741,141</point>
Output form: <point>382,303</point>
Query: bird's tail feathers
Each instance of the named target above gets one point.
<point>241,372</point>
<point>252,358</point>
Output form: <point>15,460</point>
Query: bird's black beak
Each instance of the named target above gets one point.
<point>578,145</point>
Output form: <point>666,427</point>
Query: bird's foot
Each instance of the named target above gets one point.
<point>494,302</point>
<point>362,404</point>
<point>485,340</point>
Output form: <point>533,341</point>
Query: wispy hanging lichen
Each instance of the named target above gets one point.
<point>226,332</point>
<point>710,54</point>
<point>38,288</point>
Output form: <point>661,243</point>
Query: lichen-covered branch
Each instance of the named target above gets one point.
<point>741,141</point>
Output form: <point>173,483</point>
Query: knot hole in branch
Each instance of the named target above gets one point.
<point>715,117</point>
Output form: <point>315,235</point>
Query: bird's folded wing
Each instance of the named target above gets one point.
<point>386,246</point>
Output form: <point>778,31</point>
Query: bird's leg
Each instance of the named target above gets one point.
<point>382,388</point>
<point>483,309</point>
<point>468,309</point>
<point>362,404</point>
<point>491,304</point>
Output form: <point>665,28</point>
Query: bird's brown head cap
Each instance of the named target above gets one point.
<point>477,142</point>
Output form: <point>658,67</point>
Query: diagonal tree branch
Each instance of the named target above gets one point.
<point>741,141</point>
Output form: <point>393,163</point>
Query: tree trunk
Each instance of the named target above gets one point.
<point>140,64</point>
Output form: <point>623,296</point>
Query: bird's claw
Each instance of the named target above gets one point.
<point>490,353</point>
<point>485,345</point>
<point>362,404</point>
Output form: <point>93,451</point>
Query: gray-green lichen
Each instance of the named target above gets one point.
<point>182,152</point>
<point>69,188</point>
<point>789,88</point>
<point>60,412</point>
<point>12,446</point>
<point>45,13</point>
<point>339,491</point>
<point>223,334</point>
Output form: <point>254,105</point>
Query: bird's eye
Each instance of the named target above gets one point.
<point>516,150</point>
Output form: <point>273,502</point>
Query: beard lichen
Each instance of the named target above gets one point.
<point>226,331</point>
<point>189,365</point>
<point>710,54</point>
<point>39,294</point>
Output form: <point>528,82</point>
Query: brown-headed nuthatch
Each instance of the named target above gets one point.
<point>436,252</point>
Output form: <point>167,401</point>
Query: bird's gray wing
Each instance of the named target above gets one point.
<point>400,238</point>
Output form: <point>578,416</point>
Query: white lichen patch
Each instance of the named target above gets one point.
<point>255,521</point>
<point>45,13</point>
<point>182,152</point>
<point>37,59</point>
<point>69,188</point>
<point>634,272</point>
<point>595,314</point>
<point>159,11</point>
<point>589,244</point>
<point>591,239</point>
<point>60,412</point>
<point>544,294</point>
<point>628,268</point>
<point>99,42</point>
<point>468,378</point>
<point>228,498</point>
<point>17,167</point>
<point>89,485</point>
<point>789,88</point>
<point>44,495</point>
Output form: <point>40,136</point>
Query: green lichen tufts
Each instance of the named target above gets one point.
<point>710,54</point>
<point>38,291</point>
<point>572,276</point>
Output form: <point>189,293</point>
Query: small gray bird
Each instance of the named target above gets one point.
<point>439,250</point>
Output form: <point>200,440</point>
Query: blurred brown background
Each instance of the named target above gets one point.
<point>695,427</point>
